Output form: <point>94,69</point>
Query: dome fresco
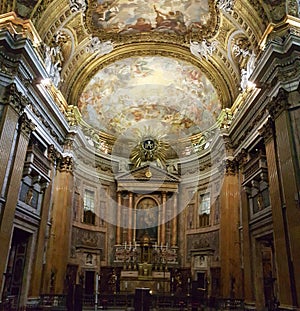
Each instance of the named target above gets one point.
<point>170,91</point>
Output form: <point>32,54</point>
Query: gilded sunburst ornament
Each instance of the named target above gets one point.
<point>150,147</point>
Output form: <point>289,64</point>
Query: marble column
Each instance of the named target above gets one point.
<point>231,277</point>
<point>130,217</point>
<point>283,171</point>
<point>60,234</point>
<point>174,221</point>
<point>24,130</point>
<point>42,238</point>
<point>163,219</point>
<point>14,104</point>
<point>118,231</point>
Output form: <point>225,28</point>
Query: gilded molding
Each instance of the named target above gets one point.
<point>73,115</point>
<point>19,27</point>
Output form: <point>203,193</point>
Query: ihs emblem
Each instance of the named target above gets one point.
<point>150,148</point>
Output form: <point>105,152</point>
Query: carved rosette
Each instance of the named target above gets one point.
<point>25,125</point>
<point>278,104</point>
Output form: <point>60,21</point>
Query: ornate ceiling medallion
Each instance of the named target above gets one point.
<point>123,20</point>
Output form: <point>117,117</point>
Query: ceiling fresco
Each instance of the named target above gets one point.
<point>170,91</point>
<point>127,62</point>
<point>134,16</point>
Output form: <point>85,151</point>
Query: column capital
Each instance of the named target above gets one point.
<point>230,167</point>
<point>242,157</point>
<point>53,154</point>
<point>66,164</point>
<point>15,99</point>
<point>26,125</point>
<point>267,130</point>
<point>278,103</point>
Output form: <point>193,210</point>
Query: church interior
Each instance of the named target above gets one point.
<point>110,188</point>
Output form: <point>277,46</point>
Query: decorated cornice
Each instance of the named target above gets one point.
<point>45,123</point>
<point>249,128</point>
<point>8,65</point>
<point>19,27</point>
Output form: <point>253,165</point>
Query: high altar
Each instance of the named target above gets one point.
<point>147,218</point>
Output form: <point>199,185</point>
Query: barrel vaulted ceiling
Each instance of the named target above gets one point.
<point>179,61</point>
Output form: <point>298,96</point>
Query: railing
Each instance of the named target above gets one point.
<point>36,159</point>
<point>123,300</point>
<point>254,165</point>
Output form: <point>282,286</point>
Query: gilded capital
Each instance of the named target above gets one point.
<point>66,164</point>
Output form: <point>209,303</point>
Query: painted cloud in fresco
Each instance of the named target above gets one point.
<point>136,89</point>
<point>129,16</point>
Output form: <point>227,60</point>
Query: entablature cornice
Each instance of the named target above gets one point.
<point>281,50</point>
